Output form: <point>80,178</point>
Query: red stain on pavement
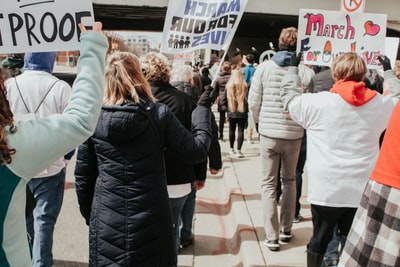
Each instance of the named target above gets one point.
<point>69,185</point>
<point>219,209</point>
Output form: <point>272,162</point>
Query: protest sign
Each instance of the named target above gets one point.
<point>192,25</point>
<point>391,48</point>
<point>352,5</point>
<point>42,25</point>
<point>323,35</point>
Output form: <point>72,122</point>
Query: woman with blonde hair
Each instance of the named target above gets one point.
<point>343,129</point>
<point>120,172</point>
<point>236,97</point>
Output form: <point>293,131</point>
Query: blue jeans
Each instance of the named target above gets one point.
<point>176,206</point>
<point>332,251</point>
<point>49,194</point>
<point>187,215</point>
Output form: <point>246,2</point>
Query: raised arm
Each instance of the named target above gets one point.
<point>39,142</point>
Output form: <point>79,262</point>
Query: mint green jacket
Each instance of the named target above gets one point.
<point>39,142</point>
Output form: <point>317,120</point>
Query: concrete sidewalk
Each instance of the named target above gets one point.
<point>228,224</point>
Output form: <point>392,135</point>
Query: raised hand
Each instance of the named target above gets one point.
<point>385,61</point>
<point>295,59</point>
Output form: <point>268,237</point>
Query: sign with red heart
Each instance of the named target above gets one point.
<point>325,34</point>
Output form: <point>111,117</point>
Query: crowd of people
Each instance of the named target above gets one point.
<point>146,136</point>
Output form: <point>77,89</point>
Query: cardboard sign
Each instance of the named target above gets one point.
<point>192,25</point>
<point>323,35</point>
<point>42,25</point>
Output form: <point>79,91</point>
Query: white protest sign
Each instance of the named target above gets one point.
<point>42,25</point>
<point>323,35</point>
<point>192,25</point>
<point>391,47</point>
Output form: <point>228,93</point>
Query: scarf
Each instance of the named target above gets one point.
<point>354,93</point>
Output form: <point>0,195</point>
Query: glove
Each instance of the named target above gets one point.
<point>206,98</point>
<point>295,59</point>
<point>385,61</point>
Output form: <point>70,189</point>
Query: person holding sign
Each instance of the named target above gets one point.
<point>343,129</point>
<point>37,93</point>
<point>48,138</point>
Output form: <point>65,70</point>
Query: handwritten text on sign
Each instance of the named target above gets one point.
<point>323,35</point>
<point>191,25</point>
<point>42,25</point>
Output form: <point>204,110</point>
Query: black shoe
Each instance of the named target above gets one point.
<point>186,242</point>
<point>285,236</point>
<point>273,245</point>
<point>313,259</point>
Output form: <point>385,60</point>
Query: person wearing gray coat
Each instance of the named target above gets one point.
<point>280,139</point>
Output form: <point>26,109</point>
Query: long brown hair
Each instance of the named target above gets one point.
<point>125,81</point>
<point>6,120</point>
<point>236,91</point>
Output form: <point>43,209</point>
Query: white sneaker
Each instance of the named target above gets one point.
<point>231,152</point>
<point>239,154</point>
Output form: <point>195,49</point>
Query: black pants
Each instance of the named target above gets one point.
<point>221,123</point>
<point>240,123</point>
<point>324,221</point>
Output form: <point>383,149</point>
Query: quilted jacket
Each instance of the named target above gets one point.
<point>121,184</point>
<point>265,101</point>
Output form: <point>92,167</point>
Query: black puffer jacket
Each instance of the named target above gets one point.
<point>120,182</point>
<point>182,105</point>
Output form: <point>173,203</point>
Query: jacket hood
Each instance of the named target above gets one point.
<point>354,93</point>
<point>43,61</point>
<point>122,123</point>
<point>282,58</point>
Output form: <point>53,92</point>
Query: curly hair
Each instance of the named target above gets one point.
<point>156,68</point>
<point>288,39</point>
<point>7,121</point>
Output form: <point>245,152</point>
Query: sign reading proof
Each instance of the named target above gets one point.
<point>191,25</point>
<point>323,35</point>
<point>42,25</point>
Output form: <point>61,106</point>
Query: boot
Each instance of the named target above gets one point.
<point>314,259</point>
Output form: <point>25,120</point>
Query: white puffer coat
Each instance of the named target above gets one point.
<point>265,101</point>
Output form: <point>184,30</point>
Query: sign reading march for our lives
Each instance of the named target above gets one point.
<point>43,25</point>
<point>323,35</point>
<point>191,25</point>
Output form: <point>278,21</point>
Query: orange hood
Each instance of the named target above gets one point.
<point>354,93</point>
